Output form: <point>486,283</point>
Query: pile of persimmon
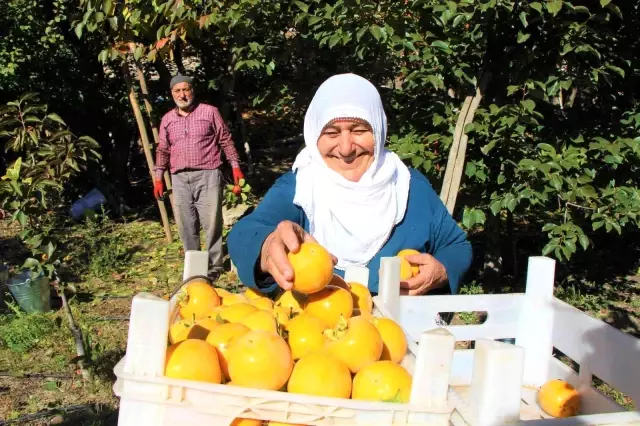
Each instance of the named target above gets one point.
<point>323,342</point>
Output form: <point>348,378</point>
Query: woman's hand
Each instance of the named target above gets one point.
<point>432,275</point>
<point>273,257</point>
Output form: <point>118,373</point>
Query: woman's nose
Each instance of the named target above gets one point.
<point>345,144</point>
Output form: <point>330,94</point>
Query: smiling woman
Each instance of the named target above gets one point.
<point>352,196</point>
<point>347,146</point>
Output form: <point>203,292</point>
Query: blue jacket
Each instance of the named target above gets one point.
<point>427,227</point>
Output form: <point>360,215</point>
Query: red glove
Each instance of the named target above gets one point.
<point>158,188</point>
<point>237,175</point>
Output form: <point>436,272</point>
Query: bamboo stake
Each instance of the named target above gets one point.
<point>145,144</point>
<point>154,130</point>
<point>455,162</point>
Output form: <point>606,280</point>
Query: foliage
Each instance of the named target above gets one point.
<point>106,251</point>
<point>21,332</point>
<point>245,197</point>
<point>548,64</point>
<point>48,156</point>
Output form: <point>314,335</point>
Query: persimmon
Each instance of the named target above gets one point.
<point>236,312</point>
<point>260,359</point>
<point>193,359</point>
<point>252,293</point>
<point>558,398</point>
<point>362,298</point>
<point>263,303</point>
<point>221,339</point>
<point>406,267</point>
<point>179,330</point>
<point>357,342</point>
<point>320,374</point>
<point>260,320</point>
<point>197,299</point>
<point>312,268</point>
<point>394,342</point>
<point>305,335</point>
<point>238,421</point>
<point>222,293</point>
<point>383,381</point>
<point>233,299</point>
<point>283,315</point>
<point>330,304</point>
<point>201,328</point>
<point>338,281</point>
<point>292,299</point>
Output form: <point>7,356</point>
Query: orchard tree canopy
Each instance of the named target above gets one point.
<point>553,143</point>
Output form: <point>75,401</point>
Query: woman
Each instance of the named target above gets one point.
<point>354,197</point>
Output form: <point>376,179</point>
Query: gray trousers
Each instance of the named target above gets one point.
<point>197,196</point>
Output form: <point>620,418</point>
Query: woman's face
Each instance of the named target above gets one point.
<point>347,147</point>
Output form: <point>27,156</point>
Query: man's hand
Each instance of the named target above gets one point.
<point>273,257</point>
<point>432,275</point>
<point>158,188</point>
<point>237,175</point>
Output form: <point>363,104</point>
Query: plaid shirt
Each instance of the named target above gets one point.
<point>194,141</point>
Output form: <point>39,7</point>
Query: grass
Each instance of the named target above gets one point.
<point>100,300</point>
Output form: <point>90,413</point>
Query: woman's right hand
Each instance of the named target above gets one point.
<point>273,257</point>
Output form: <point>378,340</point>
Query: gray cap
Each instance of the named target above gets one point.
<point>179,78</point>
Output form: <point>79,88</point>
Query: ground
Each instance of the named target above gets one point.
<point>108,262</point>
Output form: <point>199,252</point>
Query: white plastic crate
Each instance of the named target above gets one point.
<point>149,398</point>
<point>539,322</point>
<point>445,389</point>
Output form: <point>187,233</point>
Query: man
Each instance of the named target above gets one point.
<point>191,136</point>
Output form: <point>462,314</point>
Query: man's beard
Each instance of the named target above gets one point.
<point>184,105</point>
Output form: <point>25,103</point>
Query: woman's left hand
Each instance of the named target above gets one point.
<point>432,275</point>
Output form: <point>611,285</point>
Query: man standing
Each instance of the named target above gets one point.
<point>191,137</point>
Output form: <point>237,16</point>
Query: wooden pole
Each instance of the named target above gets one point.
<point>457,152</point>
<point>145,144</point>
<point>154,130</point>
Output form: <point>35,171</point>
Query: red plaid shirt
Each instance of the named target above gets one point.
<point>194,141</point>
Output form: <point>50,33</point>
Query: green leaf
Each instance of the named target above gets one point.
<point>376,32</point>
<point>472,216</point>
<point>470,169</point>
<point>361,32</point>
<point>522,37</point>
<point>304,7</point>
<point>78,30</point>
<point>55,117</point>
<point>584,241</point>
<point>551,245</point>
<point>523,19</point>
<point>441,45</point>
<point>335,38</point>
<point>604,3</point>
<point>536,6</point>
<point>554,6</point>
<point>137,54</point>
<point>615,69</point>
<point>314,20</point>
<point>528,104</point>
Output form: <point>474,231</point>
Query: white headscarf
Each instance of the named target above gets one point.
<point>352,220</point>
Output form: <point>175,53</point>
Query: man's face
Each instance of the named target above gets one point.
<point>182,95</point>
